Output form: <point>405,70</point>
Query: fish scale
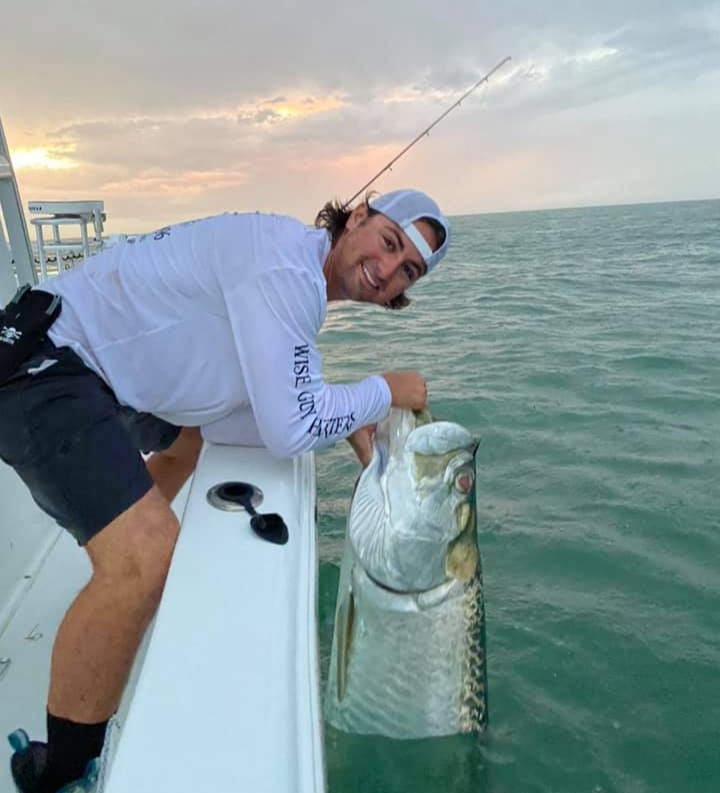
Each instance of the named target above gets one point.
<point>428,688</point>
<point>411,663</point>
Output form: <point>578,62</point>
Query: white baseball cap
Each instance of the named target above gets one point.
<point>404,207</point>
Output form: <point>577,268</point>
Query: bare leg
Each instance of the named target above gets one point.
<point>102,630</point>
<point>171,468</point>
<point>99,636</point>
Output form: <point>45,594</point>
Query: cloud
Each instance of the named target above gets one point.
<point>192,107</point>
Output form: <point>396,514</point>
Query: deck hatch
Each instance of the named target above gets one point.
<point>232,496</point>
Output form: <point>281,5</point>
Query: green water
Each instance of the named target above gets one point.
<point>583,346</point>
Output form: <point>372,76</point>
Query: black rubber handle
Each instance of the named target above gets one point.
<point>270,527</point>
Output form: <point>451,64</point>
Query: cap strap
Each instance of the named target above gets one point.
<point>418,241</point>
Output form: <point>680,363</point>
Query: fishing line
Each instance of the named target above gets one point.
<point>426,131</point>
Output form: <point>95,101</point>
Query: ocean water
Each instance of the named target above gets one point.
<point>583,347</point>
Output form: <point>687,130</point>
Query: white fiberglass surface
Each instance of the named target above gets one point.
<point>41,570</point>
<point>228,696</point>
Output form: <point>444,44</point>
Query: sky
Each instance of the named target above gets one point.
<point>173,110</point>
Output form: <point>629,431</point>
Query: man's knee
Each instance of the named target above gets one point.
<point>133,553</point>
<point>186,447</point>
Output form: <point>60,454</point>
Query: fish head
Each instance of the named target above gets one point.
<point>414,502</point>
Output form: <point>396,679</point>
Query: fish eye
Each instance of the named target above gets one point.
<point>464,480</point>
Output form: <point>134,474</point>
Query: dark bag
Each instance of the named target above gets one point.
<point>23,323</point>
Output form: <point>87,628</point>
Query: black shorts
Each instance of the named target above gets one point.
<point>73,444</point>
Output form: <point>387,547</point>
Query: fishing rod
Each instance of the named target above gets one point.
<point>426,131</point>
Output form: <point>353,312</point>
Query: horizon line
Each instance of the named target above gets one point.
<point>585,206</point>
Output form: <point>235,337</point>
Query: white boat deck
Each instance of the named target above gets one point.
<point>228,696</point>
<point>26,642</point>
<point>225,694</point>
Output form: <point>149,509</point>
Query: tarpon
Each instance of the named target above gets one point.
<point>408,653</point>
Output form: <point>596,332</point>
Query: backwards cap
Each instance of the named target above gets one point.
<point>404,207</point>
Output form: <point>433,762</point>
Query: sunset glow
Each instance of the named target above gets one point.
<point>37,158</point>
<point>308,106</point>
<point>599,104</point>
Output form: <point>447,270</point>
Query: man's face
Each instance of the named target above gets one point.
<point>374,260</point>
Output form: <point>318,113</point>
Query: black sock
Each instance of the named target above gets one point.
<point>70,746</point>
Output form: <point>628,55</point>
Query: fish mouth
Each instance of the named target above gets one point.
<point>415,431</point>
<point>391,599</point>
<point>390,590</point>
<point>412,502</point>
<point>393,434</point>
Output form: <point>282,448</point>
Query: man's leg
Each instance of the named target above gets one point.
<point>97,641</point>
<point>63,433</point>
<point>101,632</point>
<point>171,468</point>
<point>99,636</point>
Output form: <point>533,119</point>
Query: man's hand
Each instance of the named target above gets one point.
<point>408,389</point>
<point>362,442</point>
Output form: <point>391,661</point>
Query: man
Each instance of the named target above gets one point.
<point>203,329</point>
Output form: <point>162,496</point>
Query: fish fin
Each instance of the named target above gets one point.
<point>462,561</point>
<point>463,556</point>
<point>344,632</point>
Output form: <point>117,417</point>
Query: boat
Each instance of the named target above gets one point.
<point>224,694</point>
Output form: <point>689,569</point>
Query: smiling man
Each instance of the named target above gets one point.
<point>203,329</point>
<point>382,248</point>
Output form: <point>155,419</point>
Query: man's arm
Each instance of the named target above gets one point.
<point>275,319</point>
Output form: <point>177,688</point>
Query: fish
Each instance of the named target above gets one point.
<point>408,656</point>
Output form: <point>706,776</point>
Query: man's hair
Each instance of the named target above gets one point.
<point>334,217</point>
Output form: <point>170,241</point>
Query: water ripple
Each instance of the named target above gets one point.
<point>581,346</point>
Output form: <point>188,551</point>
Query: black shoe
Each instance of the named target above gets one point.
<point>28,763</point>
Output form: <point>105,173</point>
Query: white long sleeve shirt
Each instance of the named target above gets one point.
<point>213,323</point>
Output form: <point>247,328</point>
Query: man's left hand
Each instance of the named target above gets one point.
<point>362,442</point>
